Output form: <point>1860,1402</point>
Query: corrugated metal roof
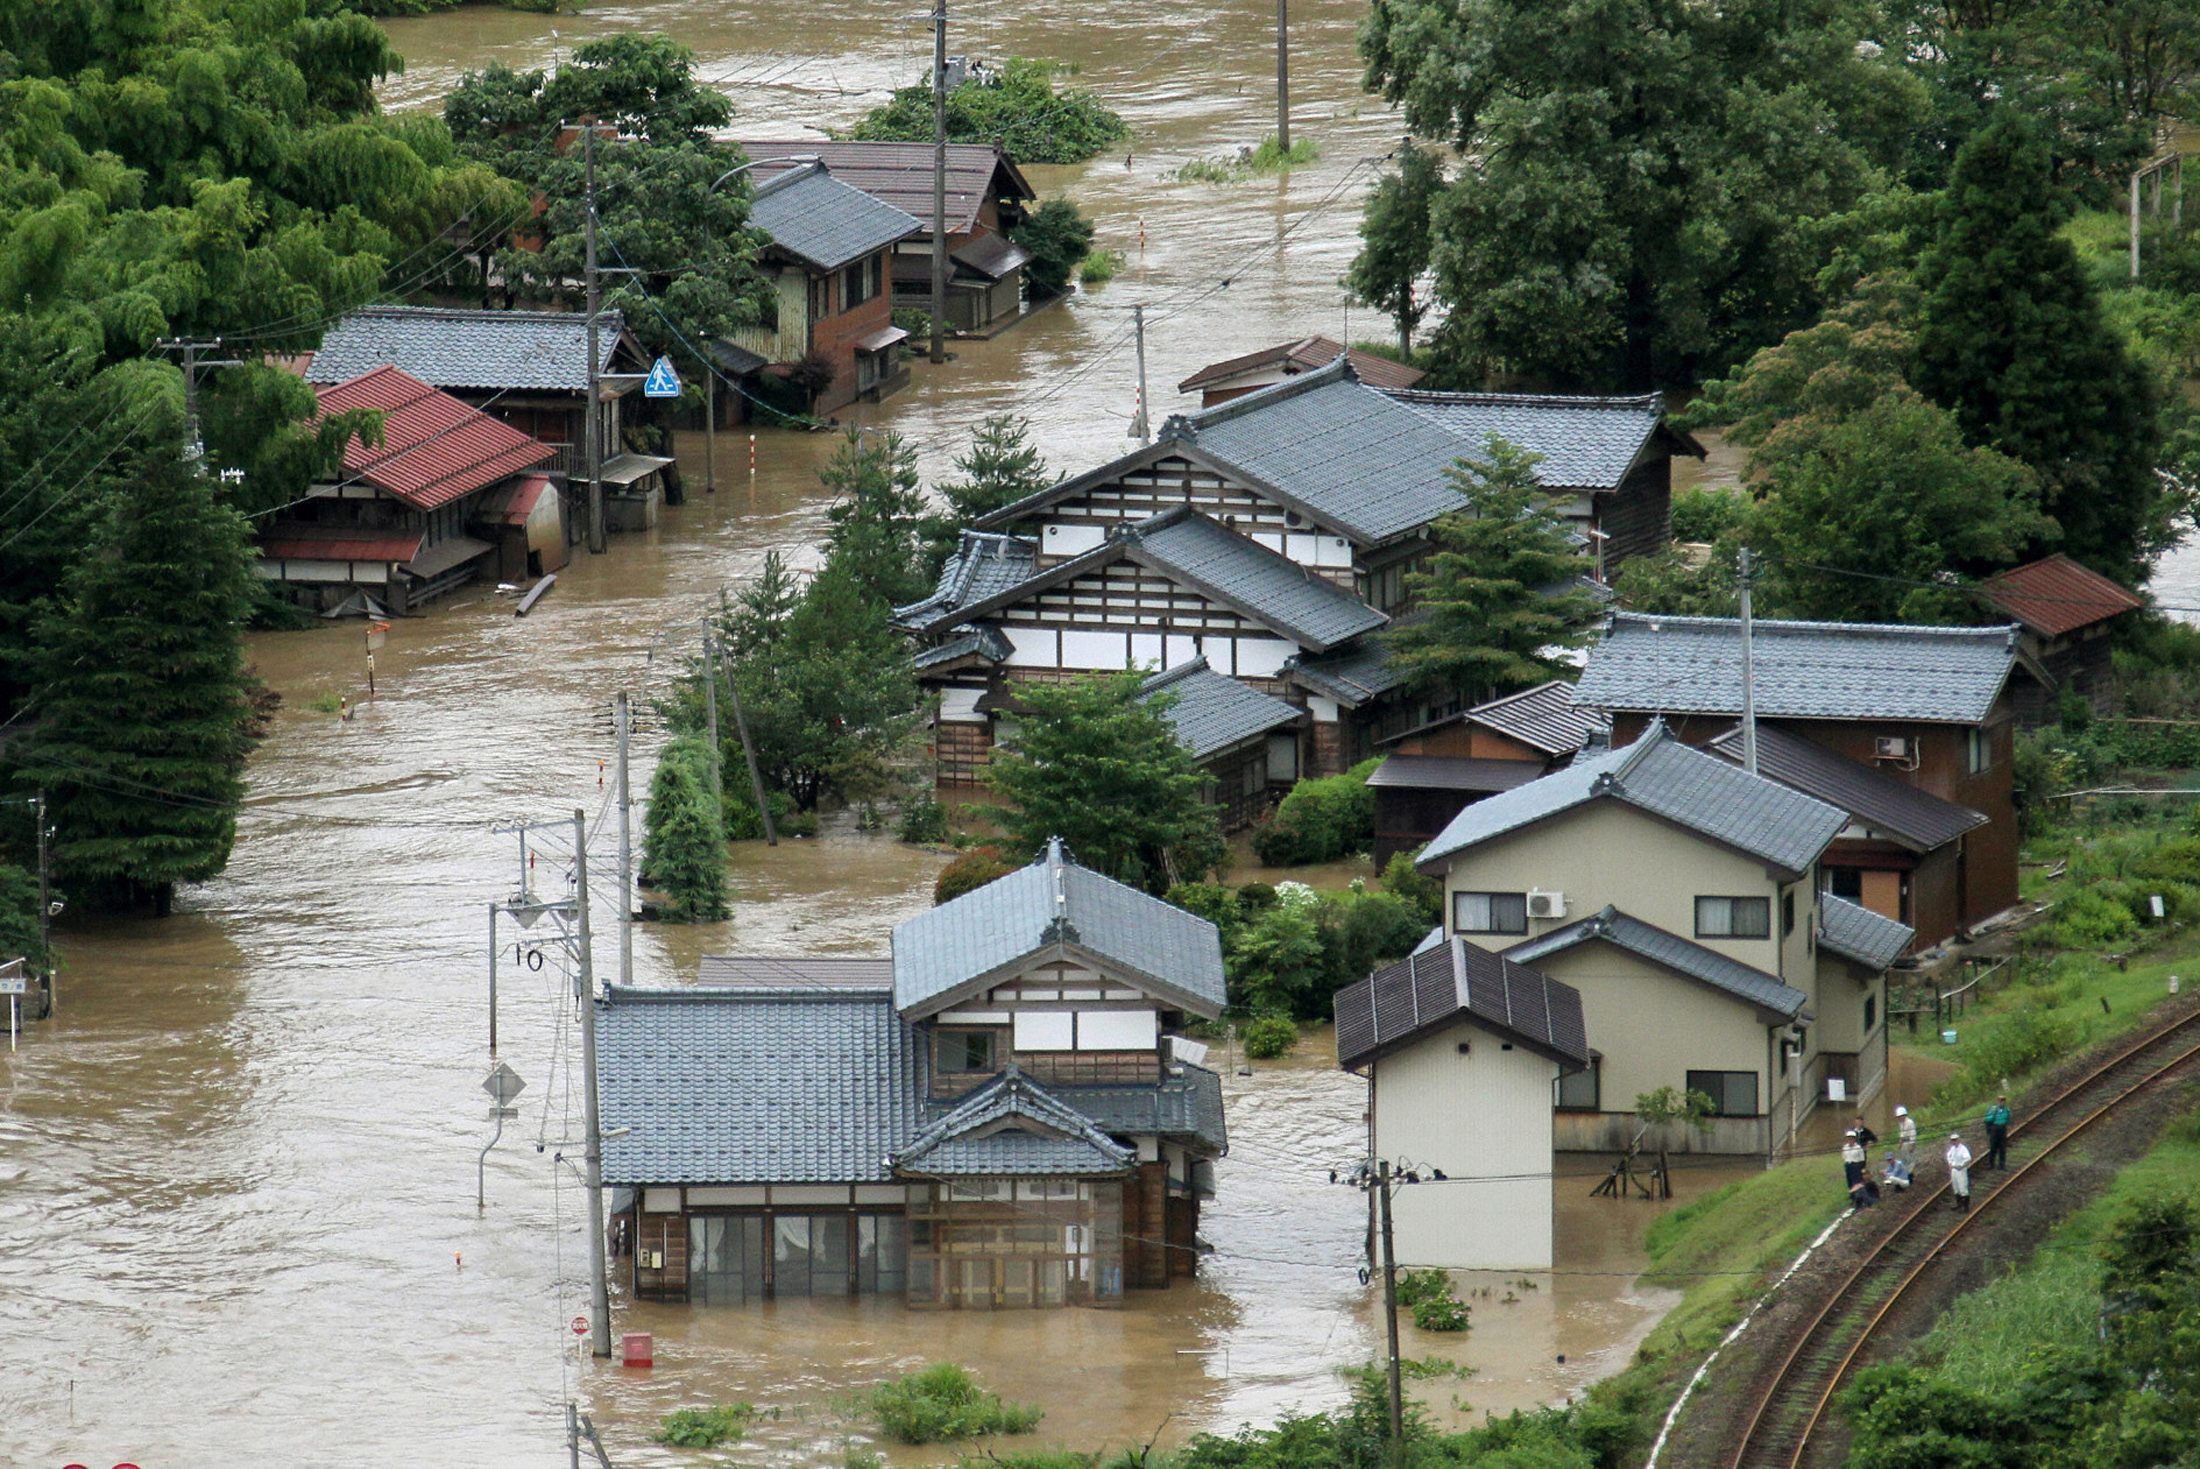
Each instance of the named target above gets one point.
<point>543,351</point>
<point>1648,663</point>
<point>1453,773</point>
<point>1056,903</point>
<point>1855,932</point>
<point>901,174</point>
<point>824,222</point>
<point>2057,595</point>
<point>750,1085</point>
<point>1211,712</point>
<point>1305,355</point>
<point>434,448</point>
<point>1782,828</point>
<point>1545,718</point>
<point>835,971</point>
<point>1669,950</point>
<point>990,255</point>
<point>1012,1126</point>
<point>294,541</point>
<point>1917,819</point>
<point>983,566</point>
<point>1433,989</point>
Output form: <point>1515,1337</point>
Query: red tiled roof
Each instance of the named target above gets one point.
<point>1304,355</point>
<point>296,542</point>
<point>524,497</point>
<point>435,448</point>
<point>2057,595</point>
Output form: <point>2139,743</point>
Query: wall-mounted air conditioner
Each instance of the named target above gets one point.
<point>1546,905</point>
<point>1890,747</point>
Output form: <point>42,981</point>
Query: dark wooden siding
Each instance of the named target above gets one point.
<point>1638,516</point>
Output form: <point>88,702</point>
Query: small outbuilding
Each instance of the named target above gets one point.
<point>1437,769</point>
<point>1234,377</point>
<point>2067,612</point>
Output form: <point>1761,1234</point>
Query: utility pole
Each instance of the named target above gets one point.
<point>624,720</point>
<point>710,711</point>
<point>1390,1308</point>
<point>1141,422</point>
<point>592,432</point>
<point>45,898</point>
<point>599,1303</point>
<point>939,184</point>
<point>1283,76</point>
<point>710,429</point>
<point>1749,671</point>
<point>493,975</point>
<point>188,349</point>
<point>756,777</point>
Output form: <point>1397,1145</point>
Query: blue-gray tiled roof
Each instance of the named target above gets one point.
<point>1211,712</point>
<point>1187,1107</point>
<point>1545,718</point>
<point>1054,902</point>
<point>1013,1126</point>
<point>983,566</point>
<point>989,643</point>
<point>1351,676</point>
<point>1782,828</point>
<point>1584,443</point>
<point>1670,950</point>
<point>1310,609</point>
<point>446,347</point>
<point>1918,819</point>
<point>1855,932</point>
<point>754,1085</point>
<point>828,224</point>
<point>1804,670</point>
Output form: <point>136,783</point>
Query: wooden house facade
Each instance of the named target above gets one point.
<point>2068,613</point>
<point>1432,772</point>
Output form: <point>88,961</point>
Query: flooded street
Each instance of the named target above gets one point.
<point>237,1168</point>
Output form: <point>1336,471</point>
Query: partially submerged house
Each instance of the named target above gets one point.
<point>409,519</point>
<point>830,256</point>
<point>999,1115</point>
<point>2067,612</point>
<point>1932,708</point>
<point>1234,377</point>
<point>1462,1050</point>
<point>987,197</point>
<point>1679,896</point>
<point>1238,735</point>
<point>1436,769</point>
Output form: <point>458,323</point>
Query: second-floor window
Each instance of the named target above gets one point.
<point>961,1052</point>
<point>1733,918</point>
<point>859,283</point>
<point>1489,912</point>
<point>1978,750</point>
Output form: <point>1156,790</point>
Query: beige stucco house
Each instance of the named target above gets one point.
<point>1678,895</point>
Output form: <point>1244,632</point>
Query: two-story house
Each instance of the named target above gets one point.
<point>1932,708</point>
<point>1678,895</point>
<point>830,254</point>
<point>1001,1114</point>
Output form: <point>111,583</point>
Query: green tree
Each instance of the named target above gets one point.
<point>1642,177</point>
<point>1058,236</point>
<point>20,931</point>
<point>2011,338</point>
<point>145,708</point>
<point>1096,764</point>
<point>1018,107</point>
<point>684,835</point>
<point>1000,467</point>
<point>1498,600</point>
<point>1397,242</point>
<point>877,516</point>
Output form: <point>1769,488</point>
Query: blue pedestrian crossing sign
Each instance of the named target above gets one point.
<point>662,381</point>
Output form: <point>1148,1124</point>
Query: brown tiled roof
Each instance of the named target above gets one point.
<point>1304,355</point>
<point>2056,596</point>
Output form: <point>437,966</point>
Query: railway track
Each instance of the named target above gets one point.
<point>1788,1409</point>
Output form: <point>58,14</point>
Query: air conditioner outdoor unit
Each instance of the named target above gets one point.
<point>1890,747</point>
<point>1546,905</point>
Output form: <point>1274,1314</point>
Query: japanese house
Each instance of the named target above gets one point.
<point>1679,896</point>
<point>2067,612</point>
<point>1933,708</point>
<point>1000,1115</point>
<point>404,522</point>
<point>526,368</point>
<point>1462,1050</point>
<point>1219,382</point>
<point>987,197</point>
<point>1242,738</point>
<point>830,255</point>
<point>1435,770</point>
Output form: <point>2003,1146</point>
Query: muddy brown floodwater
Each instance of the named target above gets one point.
<point>236,1168</point>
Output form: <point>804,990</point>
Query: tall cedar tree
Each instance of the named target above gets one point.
<point>1397,242</point>
<point>1000,467</point>
<point>1499,595</point>
<point>145,710</point>
<point>684,842</point>
<point>877,516</point>
<point>2012,339</point>
<point>1096,765</point>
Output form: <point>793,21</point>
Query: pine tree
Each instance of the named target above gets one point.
<point>1499,596</point>
<point>145,705</point>
<point>1094,764</point>
<point>877,515</point>
<point>684,840</point>
<point>1000,467</point>
<point>2012,339</point>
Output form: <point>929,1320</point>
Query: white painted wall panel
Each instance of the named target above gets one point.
<point>721,1195</point>
<point>1043,1030</point>
<point>1071,540</point>
<point>1147,651</point>
<point>1032,647</point>
<point>1262,657</point>
<point>960,706</point>
<point>1092,650</point>
<point>1117,1030</point>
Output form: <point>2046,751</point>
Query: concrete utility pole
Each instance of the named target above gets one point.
<point>493,975</point>
<point>599,1299</point>
<point>188,349</point>
<point>1390,1306</point>
<point>1141,421</point>
<point>1749,671</point>
<point>45,900</point>
<point>592,433</point>
<point>710,711</point>
<point>1283,75</point>
<point>939,181</point>
<point>756,777</point>
<point>625,722</point>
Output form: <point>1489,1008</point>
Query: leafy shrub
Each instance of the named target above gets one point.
<point>1411,885</point>
<point>1320,820</point>
<point>1256,897</point>
<point>1100,267</point>
<point>1707,514</point>
<point>703,1428</point>
<point>1267,157</point>
<point>916,321</point>
<point>1214,902</point>
<point>1279,964</point>
<point>1375,929</point>
<point>1018,106</point>
<point>1059,236</point>
<point>1428,1294</point>
<point>923,820</point>
<point>972,870</point>
<point>744,825</point>
<point>2088,918</point>
<point>2025,1040</point>
<point>1269,1036</point>
<point>942,1403</point>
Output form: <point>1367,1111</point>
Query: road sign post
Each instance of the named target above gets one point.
<point>14,985</point>
<point>663,381</point>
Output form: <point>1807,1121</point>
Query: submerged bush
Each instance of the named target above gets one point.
<point>970,871</point>
<point>1269,1036</point>
<point>1320,820</point>
<point>703,1428</point>
<point>942,1403</point>
<point>1429,1296</point>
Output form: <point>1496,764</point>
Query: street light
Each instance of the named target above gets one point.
<point>760,162</point>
